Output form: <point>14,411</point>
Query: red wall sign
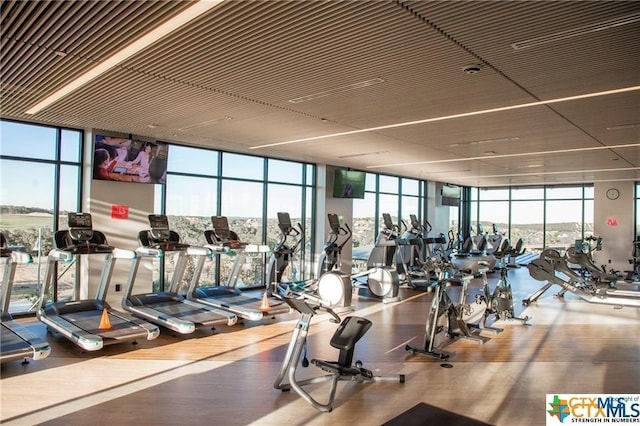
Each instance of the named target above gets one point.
<point>119,211</point>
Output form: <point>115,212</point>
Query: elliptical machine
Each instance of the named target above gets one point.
<point>330,260</point>
<point>381,281</point>
<point>332,286</point>
<point>349,332</point>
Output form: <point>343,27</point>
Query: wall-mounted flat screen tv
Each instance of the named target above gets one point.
<point>129,160</point>
<point>348,183</point>
<point>451,195</point>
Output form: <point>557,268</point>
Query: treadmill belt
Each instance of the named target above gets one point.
<point>90,322</point>
<point>248,302</point>
<point>13,346</point>
<point>186,312</point>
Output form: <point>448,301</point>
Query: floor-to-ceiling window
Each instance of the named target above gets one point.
<point>40,170</point>
<point>249,191</point>
<point>553,216</point>
<point>399,197</point>
<point>637,210</point>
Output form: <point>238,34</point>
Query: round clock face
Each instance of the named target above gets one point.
<point>613,194</point>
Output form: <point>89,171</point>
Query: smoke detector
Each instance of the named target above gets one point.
<point>472,69</point>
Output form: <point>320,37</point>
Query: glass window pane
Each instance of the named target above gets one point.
<point>70,146</point>
<point>474,193</point>
<point>27,222</point>
<point>488,194</point>
<point>370,182</point>
<point>285,171</point>
<point>527,193</point>
<point>34,189</point>
<point>494,213</point>
<point>242,203</point>
<point>388,184</point>
<point>364,211</point>
<point>527,219</point>
<point>563,223</point>
<point>310,178</point>
<point>69,188</point>
<point>27,140</point>
<point>410,187</point>
<point>284,198</point>
<point>195,161</point>
<point>242,166</point>
<point>388,204</point>
<point>410,205</point>
<point>191,196</point>
<point>564,192</point>
<point>588,191</point>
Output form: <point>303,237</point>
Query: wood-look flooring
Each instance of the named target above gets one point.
<point>225,376</point>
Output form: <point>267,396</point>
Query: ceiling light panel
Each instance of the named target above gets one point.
<point>579,31</point>
<point>33,31</point>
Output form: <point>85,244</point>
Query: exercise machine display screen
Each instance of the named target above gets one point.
<point>334,222</point>
<point>221,227</point>
<point>284,222</point>
<point>79,220</point>
<point>158,221</point>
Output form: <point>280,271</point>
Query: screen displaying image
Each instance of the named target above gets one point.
<point>129,160</point>
<point>451,195</point>
<point>348,184</point>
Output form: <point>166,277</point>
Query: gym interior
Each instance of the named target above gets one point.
<point>383,212</point>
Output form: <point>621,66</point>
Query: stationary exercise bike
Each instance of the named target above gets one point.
<point>349,332</point>
<point>445,321</point>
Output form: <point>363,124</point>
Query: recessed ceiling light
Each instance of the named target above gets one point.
<point>507,139</point>
<point>363,154</point>
<point>206,123</point>
<point>574,32</point>
<point>624,126</point>
<point>341,89</point>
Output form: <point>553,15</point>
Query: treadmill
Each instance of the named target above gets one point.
<point>170,309</point>
<point>16,341</point>
<point>80,320</point>
<point>222,240</point>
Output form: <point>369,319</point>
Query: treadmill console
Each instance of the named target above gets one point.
<point>223,234</point>
<point>80,227</point>
<point>221,227</point>
<point>159,227</point>
<point>334,223</point>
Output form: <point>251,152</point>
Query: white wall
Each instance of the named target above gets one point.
<point>99,198</point>
<point>343,207</point>
<point>613,221</point>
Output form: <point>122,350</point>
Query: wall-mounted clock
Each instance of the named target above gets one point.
<point>613,193</point>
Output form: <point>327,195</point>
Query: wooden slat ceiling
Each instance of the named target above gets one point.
<point>233,79</point>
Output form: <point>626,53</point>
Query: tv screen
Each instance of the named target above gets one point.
<point>451,195</point>
<point>129,160</point>
<point>348,184</point>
